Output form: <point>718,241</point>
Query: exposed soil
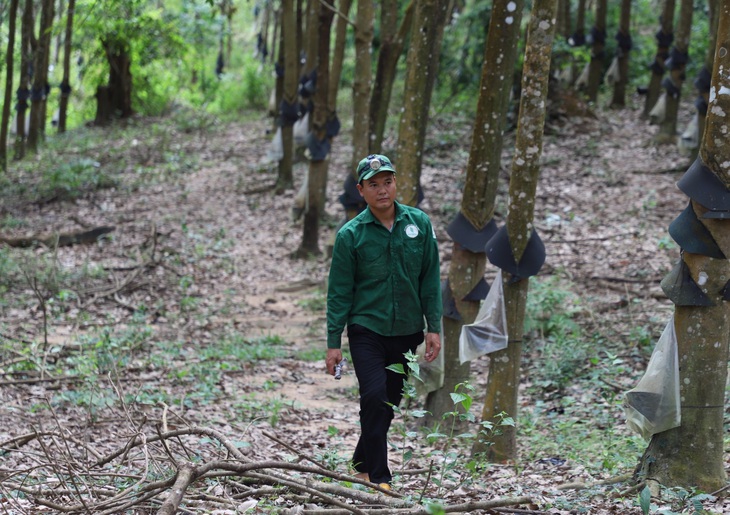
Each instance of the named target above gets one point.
<point>206,250</point>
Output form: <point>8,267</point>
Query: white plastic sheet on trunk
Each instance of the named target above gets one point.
<point>654,404</point>
<point>488,333</point>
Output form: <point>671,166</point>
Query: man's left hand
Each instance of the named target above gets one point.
<point>433,346</point>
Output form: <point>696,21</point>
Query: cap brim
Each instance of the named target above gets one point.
<point>373,173</point>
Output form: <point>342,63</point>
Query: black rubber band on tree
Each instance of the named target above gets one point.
<point>448,301</point>
<point>670,87</point>
<point>22,94</point>
<point>703,80</point>
<point>704,187</point>
<point>664,40</point>
<point>625,42</point>
<point>577,39</point>
<point>332,126</point>
<point>657,68</point>
<point>681,289</point>
<point>692,235</point>
<point>479,292</point>
<point>350,197</point>
<point>37,94</point>
<point>463,232</point>
<point>677,59</point>
<point>499,252</point>
<point>289,112</point>
<point>318,149</point>
<point>701,105</point>
<point>65,88</point>
<point>308,84</point>
<point>598,36</point>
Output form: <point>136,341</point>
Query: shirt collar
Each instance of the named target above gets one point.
<point>399,213</point>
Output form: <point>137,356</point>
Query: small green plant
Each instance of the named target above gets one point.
<point>73,179</point>
<point>316,302</point>
<point>450,445</point>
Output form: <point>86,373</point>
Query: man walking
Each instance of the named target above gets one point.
<point>384,283</point>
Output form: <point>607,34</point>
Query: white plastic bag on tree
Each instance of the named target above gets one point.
<point>488,333</point>
<point>612,74</point>
<point>659,111</point>
<point>276,149</point>
<point>582,80</point>
<point>301,129</point>
<point>654,405</point>
<point>690,139</point>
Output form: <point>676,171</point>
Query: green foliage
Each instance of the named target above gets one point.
<point>55,179</point>
<point>240,91</point>
<point>72,179</point>
<point>447,438</point>
<point>554,334</point>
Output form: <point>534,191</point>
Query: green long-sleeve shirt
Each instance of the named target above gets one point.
<point>387,281</point>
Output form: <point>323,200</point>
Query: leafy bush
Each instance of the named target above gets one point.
<point>72,179</point>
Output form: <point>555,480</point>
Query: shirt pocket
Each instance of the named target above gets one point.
<point>413,254</point>
<point>372,262</point>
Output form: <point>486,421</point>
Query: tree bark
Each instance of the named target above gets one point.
<point>480,189</point>
<point>704,93</point>
<point>664,38</point>
<point>423,51</point>
<point>679,56</point>
<point>36,127</point>
<point>598,51</point>
<point>691,455</point>
<point>317,181</point>
<point>504,370</point>
<point>287,116</point>
<point>622,54</point>
<point>391,48</point>
<point>362,83</point>
<point>8,97</point>
<point>120,77</point>
<point>66,82</point>
<point>23,93</point>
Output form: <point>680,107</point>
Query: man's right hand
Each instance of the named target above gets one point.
<point>334,356</point>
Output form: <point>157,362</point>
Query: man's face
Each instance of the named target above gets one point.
<point>379,191</point>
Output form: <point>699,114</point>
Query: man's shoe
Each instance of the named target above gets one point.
<point>385,486</point>
<point>363,475</point>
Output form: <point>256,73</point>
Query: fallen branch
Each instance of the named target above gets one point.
<point>59,240</point>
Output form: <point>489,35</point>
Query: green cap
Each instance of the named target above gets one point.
<point>371,165</point>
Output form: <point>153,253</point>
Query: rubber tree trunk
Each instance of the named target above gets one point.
<point>664,38</point>
<point>66,81</point>
<point>8,97</point>
<point>362,83</point>
<point>480,188</point>
<point>622,54</point>
<point>598,51</point>
<point>338,54</point>
<point>565,26</point>
<point>703,89</point>
<point>36,126</point>
<point>425,34</point>
<point>679,55</point>
<point>23,93</point>
<point>289,53</point>
<point>318,166</point>
<point>504,368</point>
<point>691,456</point>
<point>391,48</point>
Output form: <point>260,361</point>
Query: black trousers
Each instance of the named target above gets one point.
<point>380,390</point>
